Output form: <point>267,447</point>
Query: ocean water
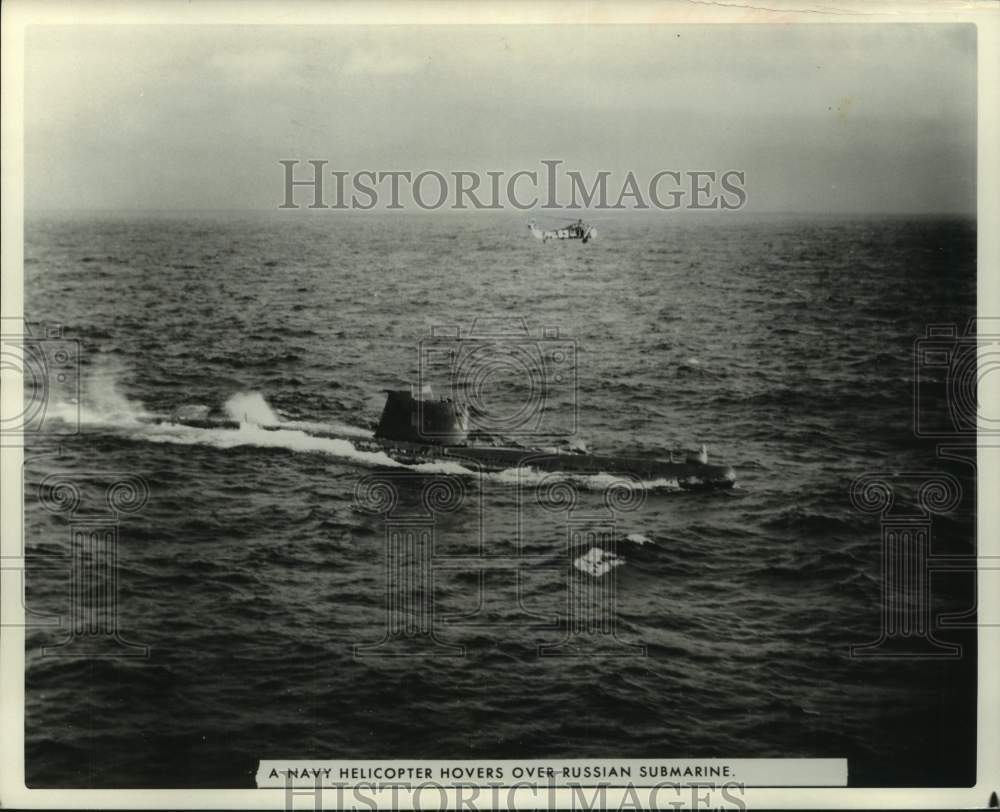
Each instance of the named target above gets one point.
<point>784,343</point>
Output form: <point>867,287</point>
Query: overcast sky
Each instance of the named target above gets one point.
<point>821,118</point>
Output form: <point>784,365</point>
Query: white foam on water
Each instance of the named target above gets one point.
<point>638,538</point>
<point>333,427</point>
<point>597,562</point>
<point>443,467</point>
<point>532,477</point>
<point>663,484</point>
<point>249,434</point>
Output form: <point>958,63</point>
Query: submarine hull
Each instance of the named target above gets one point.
<point>687,475</point>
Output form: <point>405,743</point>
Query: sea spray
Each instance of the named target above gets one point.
<point>101,401</point>
<point>104,397</point>
<point>250,407</point>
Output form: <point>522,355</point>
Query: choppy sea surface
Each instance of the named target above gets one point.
<point>784,343</point>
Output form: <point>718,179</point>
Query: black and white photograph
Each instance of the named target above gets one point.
<point>566,410</point>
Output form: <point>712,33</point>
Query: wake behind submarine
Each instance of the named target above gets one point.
<point>414,430</point>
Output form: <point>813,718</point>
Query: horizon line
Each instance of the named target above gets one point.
<point>525,213</point>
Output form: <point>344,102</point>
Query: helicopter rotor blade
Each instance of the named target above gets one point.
<point>570,218</point>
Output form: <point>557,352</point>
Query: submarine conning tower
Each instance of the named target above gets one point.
<point>415,420</point>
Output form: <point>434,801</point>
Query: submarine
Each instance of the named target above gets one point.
<point>414,430</point>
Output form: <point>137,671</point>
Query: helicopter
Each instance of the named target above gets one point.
<point>572,231</point>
